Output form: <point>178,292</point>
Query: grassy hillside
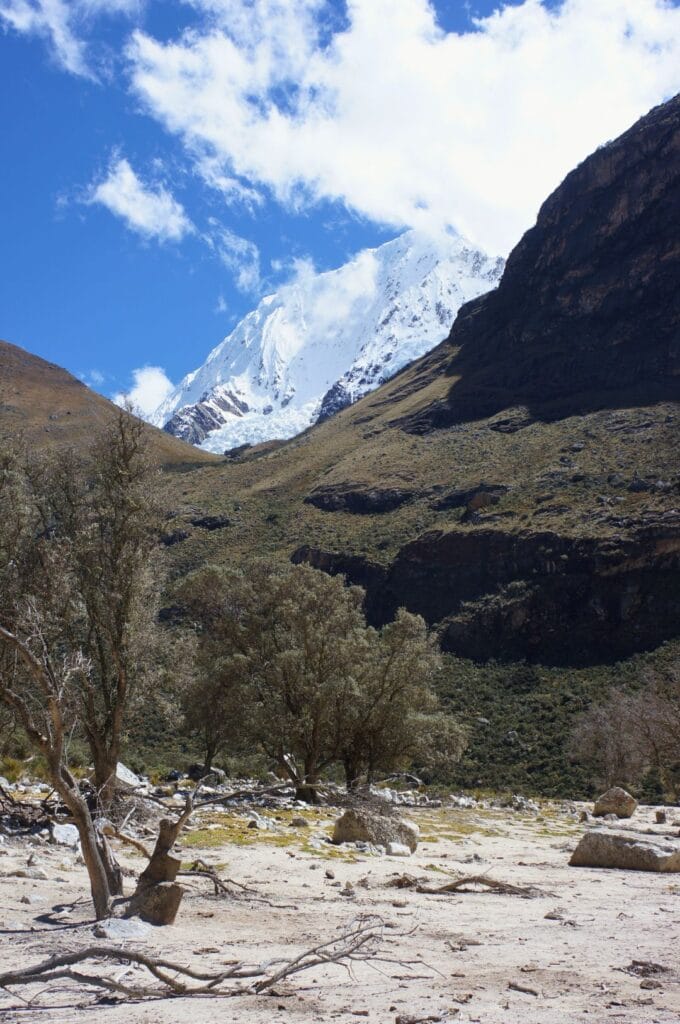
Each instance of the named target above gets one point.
<point>47,406</point>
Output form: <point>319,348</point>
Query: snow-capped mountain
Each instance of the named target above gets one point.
<point>324,340</point>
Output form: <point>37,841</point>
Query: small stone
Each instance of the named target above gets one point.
<point>299,822</point>
<point>37,874</point>
<point>398,850</point>
<point>32,900</point>
<point>584,816</point>
<point>119,929</point>
<point>661,817</point>
<point>330,873</point>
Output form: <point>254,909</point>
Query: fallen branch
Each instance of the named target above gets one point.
<point>515,987</point>
<point>358,943</point>
<point>463,885</point>
<point>202,870</point>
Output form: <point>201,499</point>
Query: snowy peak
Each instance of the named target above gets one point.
<point>324,340</point>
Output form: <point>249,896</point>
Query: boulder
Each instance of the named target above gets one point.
<point>631,851</point>
<point>66,835</point>
<point>615,801</point>
<point>126,779</point>
<point>360,825</point>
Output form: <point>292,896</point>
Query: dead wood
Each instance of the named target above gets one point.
<point>359,943</point>
<point>463,885</point>
<point>515,987</point>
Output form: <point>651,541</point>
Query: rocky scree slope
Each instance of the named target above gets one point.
<point>322,342</point>
<point>525,512</point>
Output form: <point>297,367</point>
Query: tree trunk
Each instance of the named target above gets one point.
<point>351,775</point>
<point>105,766</point>
<point>306,790</point>
<point>99,883</point>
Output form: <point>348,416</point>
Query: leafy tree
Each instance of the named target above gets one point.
<point>77,600</point>
<point>289,662</point>
<point>393,717</point>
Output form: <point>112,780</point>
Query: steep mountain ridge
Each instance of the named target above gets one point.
<point>322,342</point>
<point>587,314</point>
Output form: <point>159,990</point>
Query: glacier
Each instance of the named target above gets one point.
<point>323,340</point>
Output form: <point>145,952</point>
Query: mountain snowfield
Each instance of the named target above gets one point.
<point>322,341</point>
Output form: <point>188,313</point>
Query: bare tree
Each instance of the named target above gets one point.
<point>634,732</point>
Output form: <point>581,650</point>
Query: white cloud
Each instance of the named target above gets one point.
<point>52,20</point>
<point>403,122</point>
<point>150,210</point>
<point>238,254</point>
<point>59,22</point>
<point>151,387</point>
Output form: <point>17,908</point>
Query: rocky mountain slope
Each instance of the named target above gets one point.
<point>47,406</point>
<point>519,485</point>
<point>319,344</point>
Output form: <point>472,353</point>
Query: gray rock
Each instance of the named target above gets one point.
<point>629,851</point>
<point>398,850</point>
<point>37,874</point>
<point>121,930</point>
<point>615,801</point>
<point>125,779</point>
<point>66,835</point>
<point>359,825</point>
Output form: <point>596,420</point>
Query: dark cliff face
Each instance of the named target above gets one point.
<point>537,596</point>
<point>587,314</point>
<point>582,336</point>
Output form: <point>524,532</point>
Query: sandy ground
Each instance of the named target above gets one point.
<point>571,944</point>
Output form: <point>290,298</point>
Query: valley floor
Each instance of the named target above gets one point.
<point>572,945</point>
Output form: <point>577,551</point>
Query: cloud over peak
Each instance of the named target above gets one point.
<point>403,122</point>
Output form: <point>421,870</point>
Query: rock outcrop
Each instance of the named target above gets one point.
<point>502,594</point>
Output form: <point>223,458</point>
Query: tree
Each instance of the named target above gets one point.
<point>635,733</point>
<point>77,600</point>
<point>393,717</point>
<point>288,655</point>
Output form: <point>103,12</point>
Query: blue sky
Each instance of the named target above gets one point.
<point>165,163</point>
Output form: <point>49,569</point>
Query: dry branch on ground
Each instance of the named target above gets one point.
<point>359,942</point>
